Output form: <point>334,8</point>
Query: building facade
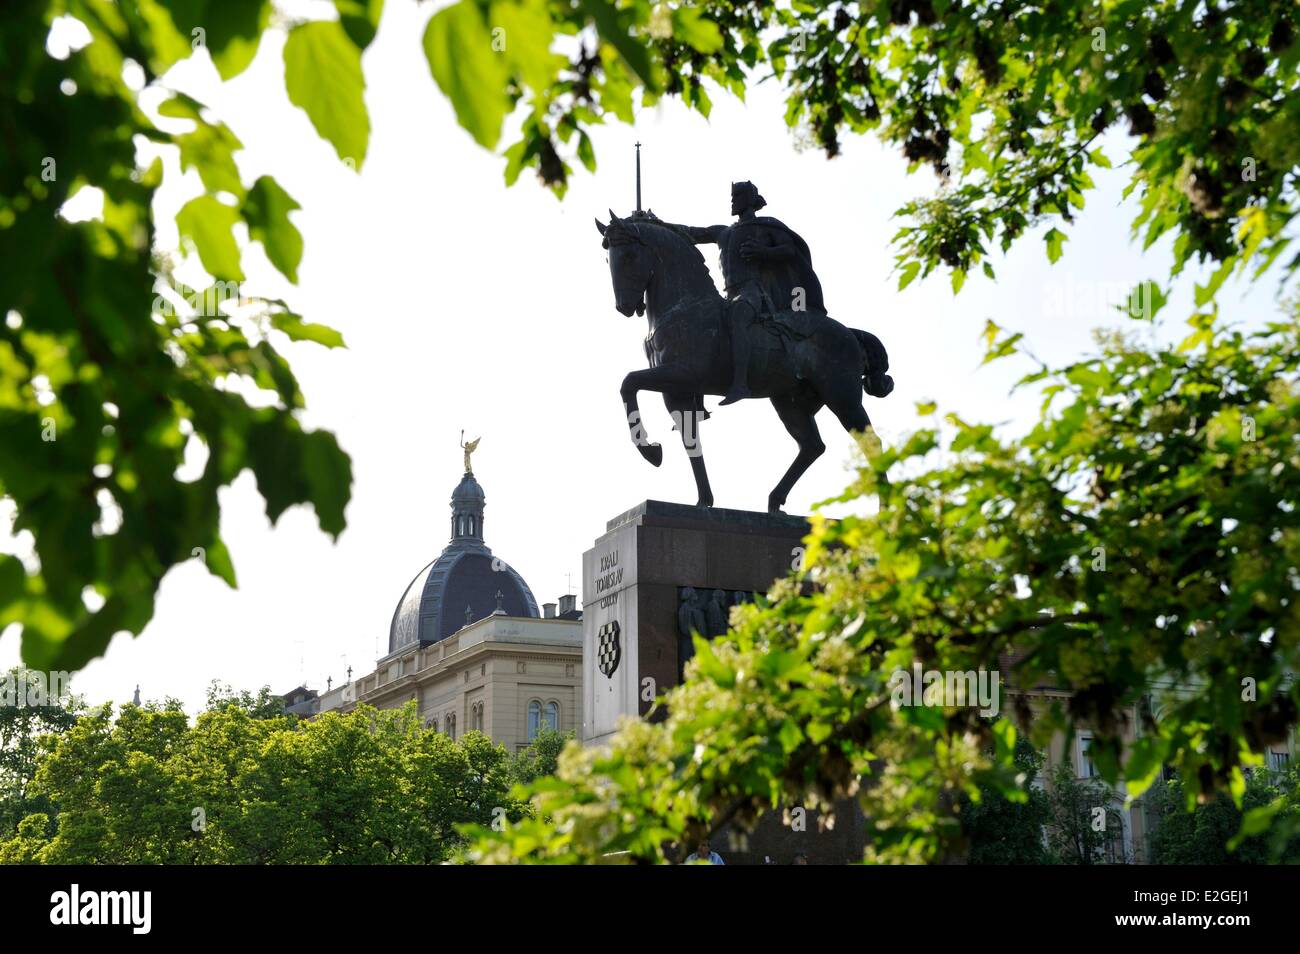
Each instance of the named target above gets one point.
<point>505,676</point>
<point>468,645</point>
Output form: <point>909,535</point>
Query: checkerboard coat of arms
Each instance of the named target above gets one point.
<point>608,649</point>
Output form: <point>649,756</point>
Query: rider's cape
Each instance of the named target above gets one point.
<point>783,276</point>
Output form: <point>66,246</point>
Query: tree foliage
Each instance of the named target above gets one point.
<point>1085,826</point>
<point>1006,101</point>
<point>238,787</point>
<point>263,704</point>
<point>1002,830</point>
<point>112,369</point>
<point>540,757</point>
<point>1142,455</point>
<point>22,728</point>
<point>1202,836</point>
<point>1144,534</point>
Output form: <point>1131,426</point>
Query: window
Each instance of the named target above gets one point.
<point>534,719</point>
<point>1278,761</point>
<point>1087,767</point>
<point>476,716</point>
<point>539,716</point>
<point>451,724</point>
<point>433,723</point>
<point>1113,849</point>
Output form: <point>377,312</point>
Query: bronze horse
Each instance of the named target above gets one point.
<point>800,361</point>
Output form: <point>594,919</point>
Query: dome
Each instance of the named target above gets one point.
<point>464,584</point>
<point>468,491</point>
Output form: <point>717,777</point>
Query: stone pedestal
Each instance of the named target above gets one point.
<point>662,568</point>
<point>651,561</point>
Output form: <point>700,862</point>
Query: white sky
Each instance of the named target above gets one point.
<point>467,305</point>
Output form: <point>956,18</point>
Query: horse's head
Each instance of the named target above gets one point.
<point>631,264</point>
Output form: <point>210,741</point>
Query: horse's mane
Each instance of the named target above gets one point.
<point>639,220</point>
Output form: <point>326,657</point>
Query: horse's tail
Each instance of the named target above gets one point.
<point>874,379</point>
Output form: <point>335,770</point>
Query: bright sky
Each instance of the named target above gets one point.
<point>468,305</point>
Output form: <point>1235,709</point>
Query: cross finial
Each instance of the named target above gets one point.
<point>638,177</point>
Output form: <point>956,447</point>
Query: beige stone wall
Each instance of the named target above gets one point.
<point>501,662</point>
<point>1058,753</point>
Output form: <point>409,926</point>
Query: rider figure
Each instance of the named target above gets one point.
<point>767,268</point>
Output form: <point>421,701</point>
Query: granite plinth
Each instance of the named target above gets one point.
<point>638,580</point>
<point>661,570</point>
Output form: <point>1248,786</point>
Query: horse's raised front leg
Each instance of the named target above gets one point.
<point>650,379</point>
<point>800,421</point>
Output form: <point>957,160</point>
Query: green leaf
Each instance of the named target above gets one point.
<point>790,735</point>
<point>230,30</point>
<point>217,559</point>
<point>615,29</point>
<point>360,19</point>
<point>1000,349</point>
<point>209,149</point>
<point>322,74</point>
<point>234,29</point>
<point>329,477</point>
<point>1054,239</point>
<point>165,32</point>
<point>709,666</point>
<point>210,225</point>
<point>690,26</point>
<point>525,38</point>
<point>990,332</point>
<point>515,161</point>
<point>1205,293</point>
<point>299,330</point>
<point>1088,377</point>
<point>910,271</point>
<point>266,210</point>
<point>459,48</point>
<point>818,732</point>
<point>585,151</point>
<point>1004,739</point>
<point>1144,763</point>
<point>1144,301</point>
<point>1256,821</point>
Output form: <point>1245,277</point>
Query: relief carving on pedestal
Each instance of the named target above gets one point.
<point>705,612</point>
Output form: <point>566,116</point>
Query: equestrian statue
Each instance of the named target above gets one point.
<point>770,337</point>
